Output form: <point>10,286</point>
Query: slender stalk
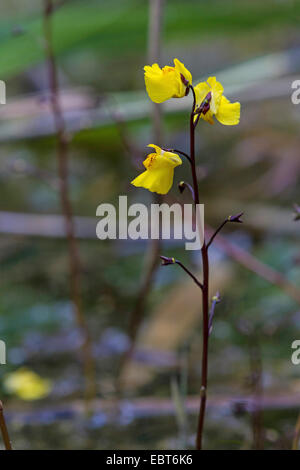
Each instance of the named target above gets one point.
<point>231,218</point>
<point>4,431</point>
<point>205,288</point>
<point>189,273</point>
<point>63,169</point>
<point>215,300</point>
<point>156,8</point>
<point>216,232</point>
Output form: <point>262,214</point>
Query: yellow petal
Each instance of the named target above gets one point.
<point>217,92</point>
<point>228,113</point>
<point>159,180</point>
<point>201,90</point>
<point>161,85</point>
<point>208,117</point>
<point>181,69</point>
<point>159,173</point>
<point>172,158</point>
<point>156,147</point>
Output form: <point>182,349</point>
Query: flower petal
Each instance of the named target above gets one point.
<point>159,180</point>
<point>156,147</point>
<point>228,113</point>
<point>161,84</point>
<point>201,90</point>
<point>182,69</point>
<point>172,158</point>
<point>217,92</point>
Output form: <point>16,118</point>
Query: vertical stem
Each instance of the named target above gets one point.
<point>151,257</point>
<point>205,291</point>
<point>63,168</point>
<point>4,431</point>
<point>205,336</point>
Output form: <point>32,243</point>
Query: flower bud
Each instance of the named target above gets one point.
<point>217,298</point>
<point>181,186</point>
<point>165,261</point>
<point>236,218</point>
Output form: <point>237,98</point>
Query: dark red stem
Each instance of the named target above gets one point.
<point>205,286</point>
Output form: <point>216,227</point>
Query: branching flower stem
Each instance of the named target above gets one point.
<point>205,287</point>
<point>207,314</point>
<point>62,160</point>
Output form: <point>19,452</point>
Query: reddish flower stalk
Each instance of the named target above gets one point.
<point>207,313</point>
<point>205,288</point>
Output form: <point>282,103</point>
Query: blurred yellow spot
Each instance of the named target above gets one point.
<point>26,384</point>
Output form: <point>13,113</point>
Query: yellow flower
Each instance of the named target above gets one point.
<point>168,82</point>
<point>159,173</point>
<point>217,104</point>
<point>27,385</point>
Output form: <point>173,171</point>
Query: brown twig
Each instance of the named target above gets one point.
<point>62,160</point>
<point>4,431</point>
<point>151,265</point>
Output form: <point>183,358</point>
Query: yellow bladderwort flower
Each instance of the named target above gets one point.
<point>168,82</point>
<point>27,385</point>
<point>212,102</point>
<point>159,173</point>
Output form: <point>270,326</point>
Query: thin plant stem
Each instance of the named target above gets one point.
<point>189,273</point>
<point>4,431</point>
<point>235,218</point>
<point>62,152</point>
<point>156,8</point>
<point>205,288</point>
<point>216,232</point>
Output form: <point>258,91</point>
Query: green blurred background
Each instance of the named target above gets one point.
<point>253,47</point>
